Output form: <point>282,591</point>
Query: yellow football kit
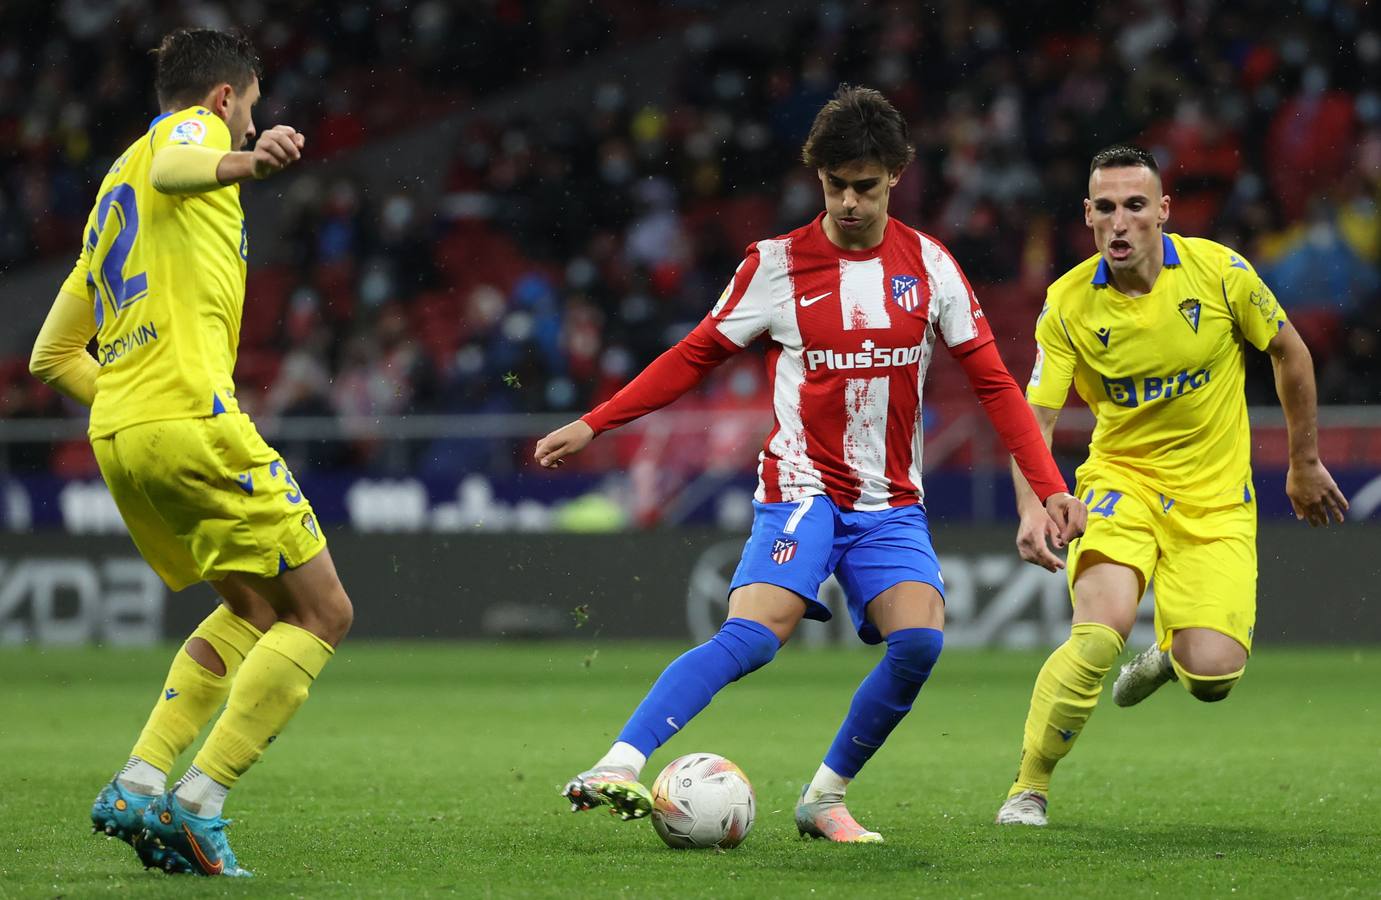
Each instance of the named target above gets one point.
<point>1168,476</point>
<point>200,491</point>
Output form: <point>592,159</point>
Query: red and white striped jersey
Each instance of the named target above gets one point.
<point>851,334</point>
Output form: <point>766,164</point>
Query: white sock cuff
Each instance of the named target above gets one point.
<point>626,755</point>
<point>826,782</point>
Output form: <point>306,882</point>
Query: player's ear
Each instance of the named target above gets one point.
<point>1164,209</point>
<point>893,179</point>
<point>222,100</point>
<point>1088,212</point>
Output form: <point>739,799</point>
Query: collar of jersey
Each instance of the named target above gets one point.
<point>1172,258</point>
<point>157,119</point>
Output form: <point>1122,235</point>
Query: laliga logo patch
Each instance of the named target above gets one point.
<point>190,131</point>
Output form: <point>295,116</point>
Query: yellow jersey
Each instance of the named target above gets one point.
<point>1163,373</point>
<point>165,274</point>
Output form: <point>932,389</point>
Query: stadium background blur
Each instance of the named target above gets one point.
<point>508,208</point>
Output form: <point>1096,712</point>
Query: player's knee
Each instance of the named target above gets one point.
<point>1096,643</point>
<point>1207,653</point>
<point>912,652</point>
<point>339,614</point>
<point>751,644</point>
<point>329,615</point>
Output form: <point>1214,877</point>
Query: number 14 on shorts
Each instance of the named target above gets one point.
<point>1107,502</point>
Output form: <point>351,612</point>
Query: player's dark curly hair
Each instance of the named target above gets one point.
<point>1121,156</point>
<point>192,61</point>
<point>858,124</point>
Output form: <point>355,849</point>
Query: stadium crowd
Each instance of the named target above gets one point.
<point>566,250</point>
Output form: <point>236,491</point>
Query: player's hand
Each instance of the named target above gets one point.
<point>1035,535</point>
<point>1314,494</point>
<point>564,441</point>
<point>276,149</point>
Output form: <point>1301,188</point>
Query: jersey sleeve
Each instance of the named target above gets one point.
<point>953,307</point>
<point>1053,372</point>
<point>1253,305</point>
<point>78,281</point>
<point>744,310</point>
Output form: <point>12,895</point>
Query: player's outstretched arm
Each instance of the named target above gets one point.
<point>274,151</point>
<point>1312,491</point>
<point>1050,504</point>
<point>668,377</point>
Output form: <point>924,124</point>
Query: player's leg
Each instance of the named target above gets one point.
<point>910,618</point>
<point>1109,567</point>
<point>197,684</point>
<point>197,681</point>
<point>785,559</point>
<point>891,578</point>
<point>761,618</point>
<point>1206,599</point>
<point>249,527</point>
<point>313,615</point>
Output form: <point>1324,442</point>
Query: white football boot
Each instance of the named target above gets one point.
<point>829,819</point>
<point>1026,808</point>
<point>1139,678</point>
<point>616,787</point>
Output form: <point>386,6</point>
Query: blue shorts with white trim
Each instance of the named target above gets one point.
<point>798,545</point>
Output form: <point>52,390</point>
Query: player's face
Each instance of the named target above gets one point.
<point>856,202</point>
<point>240,118</point>
<point>1126,210</point>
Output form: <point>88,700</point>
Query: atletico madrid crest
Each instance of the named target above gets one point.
<point>783,549</point>
<point>906,291</point>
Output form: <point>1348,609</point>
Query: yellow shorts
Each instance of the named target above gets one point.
<point>1201,562</point>
<point>203,498</point>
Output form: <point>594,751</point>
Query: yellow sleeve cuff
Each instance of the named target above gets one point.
<point>59,357</point>
<point>186,169</point>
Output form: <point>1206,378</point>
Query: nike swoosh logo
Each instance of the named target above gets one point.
<point>863,745</point>
<point>672,722</point>
<point>805,302</point>
<point>205,863</point>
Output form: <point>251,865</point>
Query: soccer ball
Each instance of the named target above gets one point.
<point>702,800</point>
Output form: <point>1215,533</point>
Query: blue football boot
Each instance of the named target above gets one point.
<point>201,841</point>
<point>119,813</point>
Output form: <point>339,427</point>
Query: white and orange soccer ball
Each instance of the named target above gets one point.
<point>702,800</point>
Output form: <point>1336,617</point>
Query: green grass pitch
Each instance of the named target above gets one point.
<point>432,768</point>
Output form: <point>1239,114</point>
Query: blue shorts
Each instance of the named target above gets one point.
<point>798,545</point>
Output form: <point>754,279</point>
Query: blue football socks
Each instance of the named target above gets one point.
<point>689,684</point>
<point>884,697</point>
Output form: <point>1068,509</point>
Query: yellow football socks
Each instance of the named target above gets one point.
<point>1066,691</point>
<point>1208,688</point>
<point>192,693</point>
<point>272,684</point>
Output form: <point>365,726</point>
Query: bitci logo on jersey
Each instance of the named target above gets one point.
<point>783,549</point>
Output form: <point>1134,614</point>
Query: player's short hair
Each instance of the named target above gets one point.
<point>192,61</point>
<point>1121,156</point>
<point>858,124</point>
